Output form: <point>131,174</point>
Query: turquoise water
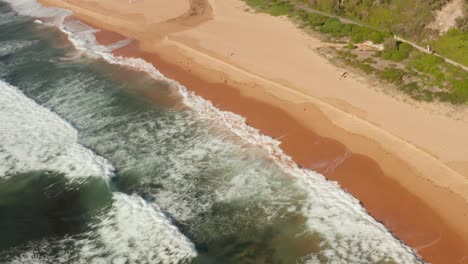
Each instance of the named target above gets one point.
<point>93,170</point>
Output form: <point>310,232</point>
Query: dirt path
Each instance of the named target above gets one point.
<point>349,21</point>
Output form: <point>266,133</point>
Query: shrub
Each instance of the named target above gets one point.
<point>333,26</point>
<point>396,50</point>
<point>394,55</point>
<point>280,8</point>
<point>390,44</point>
<point>448,97</point>
<point>273,7</point>
<point>426,63</point>
<point>405,47</point>
<point>358,34</point>
<point>434,4</point>
<point>376,37</point>
<point>365,67</point>
<point>337,28</point>
<point>460,89</point>
<point>426,96</point>
<point>256,3</point>
<point>462,23</point>
<point>453,45</point>
<point>410,88</point>
<point>347,54</point>
<point>392,75</point>
<point>314,20</point>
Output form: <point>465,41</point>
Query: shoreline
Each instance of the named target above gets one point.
<point>384,198</point>
<point>303,121</point>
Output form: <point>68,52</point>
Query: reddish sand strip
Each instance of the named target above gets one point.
<point>404,214</point>
<point>108,37</point>
<point>412,145</point>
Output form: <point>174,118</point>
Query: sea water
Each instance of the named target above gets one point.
<point>92,170</point>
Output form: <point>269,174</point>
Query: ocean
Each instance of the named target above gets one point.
<point>105,160</point>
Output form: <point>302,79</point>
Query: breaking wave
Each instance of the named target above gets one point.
<point>246,174</point>
<point>34,138</point>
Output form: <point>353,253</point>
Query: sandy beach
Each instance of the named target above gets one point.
<point>406,162</point>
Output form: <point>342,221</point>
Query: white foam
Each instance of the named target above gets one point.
<point>12,46</point>
<point>34,9</point>
<point>351,235</point>
<point>6,18</point>
<point>34,138</point>
<point>135,231</point>
<point>132,231</point>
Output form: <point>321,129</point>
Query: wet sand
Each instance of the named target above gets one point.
<point>408,217</point>
<point>414,194</point>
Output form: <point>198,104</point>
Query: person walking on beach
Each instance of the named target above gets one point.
<point>344,75</point>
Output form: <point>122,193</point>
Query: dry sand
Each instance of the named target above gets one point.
<point>406,162</point>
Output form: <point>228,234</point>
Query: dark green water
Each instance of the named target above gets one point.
<point>92,171</point>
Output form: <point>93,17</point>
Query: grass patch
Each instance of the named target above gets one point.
<point>396,50</point>
<point>369,60</point>
<point>336,28</point>
<point>416,92</point>
<point>444,75</point>
<point>405,17</point>
<point>351,46</point>
<point>392,75</point>
<point>430,65</point>
<point>460,90</point>
<point>365,68</point>
<point>453,45</point>
<point>426,77</point>
<point>347,55</point>
<point>272,7</point>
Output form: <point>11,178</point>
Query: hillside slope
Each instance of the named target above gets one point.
<point>442,24</point>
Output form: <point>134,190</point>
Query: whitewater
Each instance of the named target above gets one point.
<point>184,183</point>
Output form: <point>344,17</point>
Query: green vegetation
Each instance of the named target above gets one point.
<point>350,59</point>
<point>407,18</point>
<point>350,46</point>
<point>404,17</point>
<point>272,7</point>
<point>396,50</point>
<point>442,74</point>
<point>427,63</point>
<point>462,23</point>
<point>323,24</point>
<point>436,79</point>
<point>338,29</point>
<point>392,75</point>
<point>453,45</point>
<point>426,77</point>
